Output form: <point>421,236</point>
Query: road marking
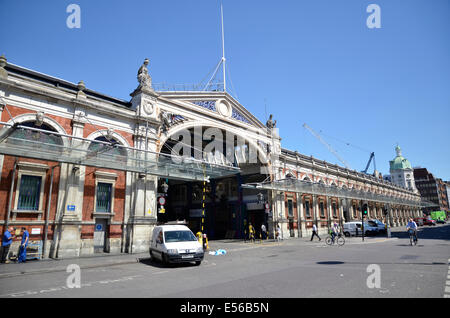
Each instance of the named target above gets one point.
<point>447,283</point>
<point>61,288</point>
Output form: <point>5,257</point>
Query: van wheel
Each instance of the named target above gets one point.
<point>346,234</point>
<point>165,260</point>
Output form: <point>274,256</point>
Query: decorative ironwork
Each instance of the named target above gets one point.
<point>236,115</point>
<point>208,104</point>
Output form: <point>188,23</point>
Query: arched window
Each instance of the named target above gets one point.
<point>107,147</point>
<point>42,140</point>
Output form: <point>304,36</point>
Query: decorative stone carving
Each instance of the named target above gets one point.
<point>81,87</point>
<point>168,120</point>
<point>148,107</point>
<point>270,123</point>
<point>39,119</point>
<point>224,108</point>
<point>109,134</point>
<point>144,79</point>
<point>3,72</point>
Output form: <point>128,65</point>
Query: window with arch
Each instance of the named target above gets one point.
<point>46,139</point>
<point>108,147</point>
<point>307,207</point>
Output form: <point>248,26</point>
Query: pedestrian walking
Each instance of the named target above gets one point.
<point>251,232</point>
<point>6,243</point>
<point>315,233</point>
<point>263,231</point>
<point>23,246</point>
<point>278,232</point>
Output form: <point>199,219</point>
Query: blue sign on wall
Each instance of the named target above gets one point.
<point>71,208</point>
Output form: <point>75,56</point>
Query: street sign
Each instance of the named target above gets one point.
<point>162,200</point>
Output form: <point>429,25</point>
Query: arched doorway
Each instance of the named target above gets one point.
<point>222,207</point>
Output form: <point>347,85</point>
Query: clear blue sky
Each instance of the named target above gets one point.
<point>310,61</point>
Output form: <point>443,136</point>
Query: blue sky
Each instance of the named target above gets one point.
<point>304,61</point>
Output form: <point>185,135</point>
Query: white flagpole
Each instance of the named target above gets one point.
<point>223,50</point>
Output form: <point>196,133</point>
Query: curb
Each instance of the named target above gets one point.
<point>63,269</point>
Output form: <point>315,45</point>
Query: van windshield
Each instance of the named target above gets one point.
<point>179,236</point>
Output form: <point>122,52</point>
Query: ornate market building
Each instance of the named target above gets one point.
<point>89,173</point>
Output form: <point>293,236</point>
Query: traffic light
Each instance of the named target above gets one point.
<point>364,209</point>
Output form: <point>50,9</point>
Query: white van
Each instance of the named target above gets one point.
<point>354,228</point>
<point>175,244</point>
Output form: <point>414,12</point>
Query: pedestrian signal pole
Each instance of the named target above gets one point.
<point>363,214</point>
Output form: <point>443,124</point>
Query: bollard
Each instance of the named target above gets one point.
<point>205,242</point>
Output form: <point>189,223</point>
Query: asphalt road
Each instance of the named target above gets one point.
<point>288,269</point>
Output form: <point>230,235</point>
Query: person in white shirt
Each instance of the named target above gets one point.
<point>263,231</point>
<point>315,233</point>
<point>412,226</point>
<point>334,231</point>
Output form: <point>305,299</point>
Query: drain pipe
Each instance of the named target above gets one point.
<point>48,212</point>
<point>11,194</point>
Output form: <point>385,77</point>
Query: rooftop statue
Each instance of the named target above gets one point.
<point>270,123</point>
<point>144,79</point>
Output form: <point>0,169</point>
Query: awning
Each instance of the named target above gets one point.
<point>29,142</point>
<point>301,186</point>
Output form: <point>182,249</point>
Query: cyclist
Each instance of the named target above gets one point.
<point>334,231</point>
<point>412,226</point>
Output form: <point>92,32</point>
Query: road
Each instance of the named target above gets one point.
<point>288,269</point>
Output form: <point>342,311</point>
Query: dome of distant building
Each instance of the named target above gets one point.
<point>399,162</point>
<point>401,171</point>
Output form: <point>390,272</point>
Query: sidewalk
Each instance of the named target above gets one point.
<point>60,265</point>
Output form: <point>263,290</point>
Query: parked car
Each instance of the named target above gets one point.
<point>441,221</point>
<point>419,221</point>
<point>354,229</point>
<point>377,223</point>
<point>175,244</point>
<point>429,222</point>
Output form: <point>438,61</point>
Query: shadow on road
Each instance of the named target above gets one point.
<point>155,263</point>
<point>378,263</point>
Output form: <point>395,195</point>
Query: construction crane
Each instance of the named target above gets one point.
<point>327,145</point>
<point>372,156</point>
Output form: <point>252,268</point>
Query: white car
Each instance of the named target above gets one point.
<point>175,244</point>
<point>380,225</point>
<point>354,229</point>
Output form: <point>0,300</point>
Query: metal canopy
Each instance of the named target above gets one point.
<point>300,186</point>
<point>29,142</point>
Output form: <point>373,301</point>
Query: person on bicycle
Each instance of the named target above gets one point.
<point>413,227</point>
<point>334,231</point>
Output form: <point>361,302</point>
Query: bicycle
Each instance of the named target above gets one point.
<point>412,237</point>
<point>338,239</point>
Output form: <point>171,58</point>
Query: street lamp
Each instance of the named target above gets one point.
<point>165,187</point>
<point>387,219</point>
<point>260,198</point>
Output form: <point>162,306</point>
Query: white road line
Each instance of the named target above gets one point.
<point>447,283</point>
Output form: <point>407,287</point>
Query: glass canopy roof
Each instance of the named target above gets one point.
<point>40,143</point>
<point>300,186</point>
